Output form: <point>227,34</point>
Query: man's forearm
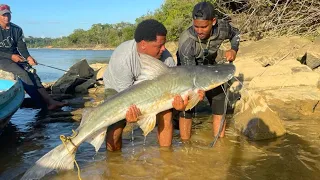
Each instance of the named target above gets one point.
<point>235,38</point>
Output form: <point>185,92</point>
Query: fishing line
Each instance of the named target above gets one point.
<point>64,140</point>
<point>226,92</point>
<point>78,76</point>
<point>223,118</point>
<point>30,69</point>
<point>52,67</point>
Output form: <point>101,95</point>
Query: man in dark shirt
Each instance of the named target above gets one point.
<point>199,45</point>
<point>15,58</point>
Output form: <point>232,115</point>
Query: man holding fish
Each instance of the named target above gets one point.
<point>124,70</point>
<point>199,45</point>
<point>151,96</point>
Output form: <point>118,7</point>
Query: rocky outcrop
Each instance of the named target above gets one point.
<point>294,103</point>
<point>78,79</point>
<point>275,86</point>
<point>256,119</point>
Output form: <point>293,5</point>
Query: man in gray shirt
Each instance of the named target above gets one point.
<point>123,71</point>
<point>124,66</point>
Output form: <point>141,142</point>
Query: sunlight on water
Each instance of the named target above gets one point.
<point>64,59</point>
<point>233,157</point>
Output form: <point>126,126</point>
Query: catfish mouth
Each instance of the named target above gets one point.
<point>230,76</point>
<point>231,71</point>
<point>221,75</point>
<point>225,80</point>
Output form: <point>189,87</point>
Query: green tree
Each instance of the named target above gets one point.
<point>174,14</point>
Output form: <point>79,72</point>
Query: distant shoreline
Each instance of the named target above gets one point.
<point>110,49</point>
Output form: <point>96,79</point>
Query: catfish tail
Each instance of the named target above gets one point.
<point>59,158</point>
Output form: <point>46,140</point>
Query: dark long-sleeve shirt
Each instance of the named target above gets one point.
<point>190,50</point>
<point>12,42</point>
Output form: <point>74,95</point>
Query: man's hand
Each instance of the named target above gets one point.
<point>132,114</point>
<point>32,61</point>
<point>231,55</point>
<point>17,58</point>
<point>201,94</point>
<point>179,104</point>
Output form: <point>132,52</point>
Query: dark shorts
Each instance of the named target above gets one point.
<point>216,98</point>
<point>31,81</point>
<point>107,94</point>
<point>18,69</point>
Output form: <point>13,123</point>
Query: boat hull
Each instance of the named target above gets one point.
<point>11,97</point>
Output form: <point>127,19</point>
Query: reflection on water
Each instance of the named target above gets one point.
<point>294,156</point>
<point>25,140</point>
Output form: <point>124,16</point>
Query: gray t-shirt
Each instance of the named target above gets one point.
<point>124,66</point>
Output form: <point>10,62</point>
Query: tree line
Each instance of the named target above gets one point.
<point>255,19</point>
<point>174,14</point>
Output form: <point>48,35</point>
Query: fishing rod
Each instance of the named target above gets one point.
<point>78,76</point>
<point>52,67</point>
<point>26,63</point>
<point>29,68</point>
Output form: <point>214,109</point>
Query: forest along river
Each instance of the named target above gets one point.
<point>294,156</point>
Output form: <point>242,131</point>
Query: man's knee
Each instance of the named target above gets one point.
<point>166,115</point>
<point>114,136</point>
<point>164,120</point>
<point>22,74</point>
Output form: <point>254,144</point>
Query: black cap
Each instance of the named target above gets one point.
<point>203,11</point>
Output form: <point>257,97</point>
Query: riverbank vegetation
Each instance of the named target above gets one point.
<point>256,19</point>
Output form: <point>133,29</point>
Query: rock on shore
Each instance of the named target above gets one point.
<point>270,73</point>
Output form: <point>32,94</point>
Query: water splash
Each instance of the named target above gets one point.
<point>132,141</point>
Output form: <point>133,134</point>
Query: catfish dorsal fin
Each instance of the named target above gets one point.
<point>151,67</point>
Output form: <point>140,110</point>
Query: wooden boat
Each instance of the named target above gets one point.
<point>11,97</point>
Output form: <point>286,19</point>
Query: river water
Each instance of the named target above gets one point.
<point>294,156</point>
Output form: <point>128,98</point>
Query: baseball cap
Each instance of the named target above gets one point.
<point>203,11</point>
<point>4,9</point>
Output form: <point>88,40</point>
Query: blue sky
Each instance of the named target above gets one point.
<point>46,18</point>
